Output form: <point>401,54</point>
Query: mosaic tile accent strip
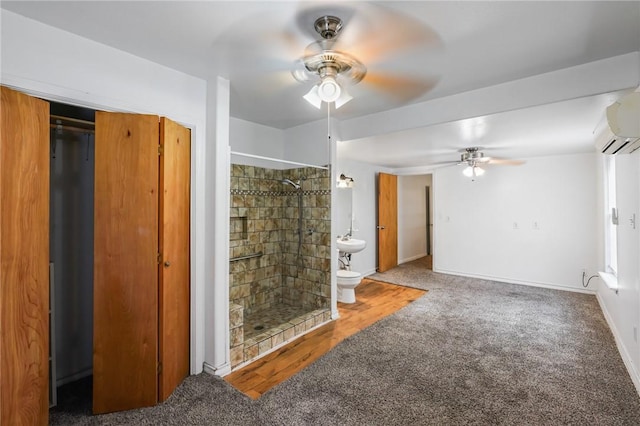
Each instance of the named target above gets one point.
<point>278,193</point>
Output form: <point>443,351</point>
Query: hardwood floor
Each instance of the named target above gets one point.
<point>428,262</point>
<point>374,301</point>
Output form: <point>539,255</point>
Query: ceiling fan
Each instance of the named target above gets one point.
<point>329,61</point>
<point>474,158</point>
<point>322,59</point>
<point>339,47</point>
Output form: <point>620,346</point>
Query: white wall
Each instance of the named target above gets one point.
<point>622,310</point>
<point>364,200</point>
<point>255,139</point>
<point>57,65</point>
<point>412,217</point>
<point>216,296</point>
<point>532,224</point>
<point>309,144</point>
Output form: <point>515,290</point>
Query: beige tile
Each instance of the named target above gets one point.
<point>251,352</point>
<point>236,317</point>
<point>288,333</point>
<point>237,355</point>
<point>309,324</point>
<point>264,346</point>
<point>237,336</point>
<point>277,339</point>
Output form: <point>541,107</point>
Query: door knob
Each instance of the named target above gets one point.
<point>380,227</point>
<point>167,264</point>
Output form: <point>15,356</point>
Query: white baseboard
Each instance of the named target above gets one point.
<point>223,370</point>
<point>518,282</point>
<point>369,272</point>
<point>626,358</point>
<point>409,259</point>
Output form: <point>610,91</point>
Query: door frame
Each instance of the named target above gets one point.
<point>196,307</point>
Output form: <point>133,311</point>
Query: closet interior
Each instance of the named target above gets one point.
<point>71,214</point>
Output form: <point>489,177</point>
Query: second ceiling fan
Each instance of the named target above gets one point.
<point>474,158</point>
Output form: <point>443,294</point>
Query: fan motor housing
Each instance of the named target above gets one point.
<point>472,154</point>
<point>328,26</point>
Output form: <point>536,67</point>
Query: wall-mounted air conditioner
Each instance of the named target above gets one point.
<point>620,133</point>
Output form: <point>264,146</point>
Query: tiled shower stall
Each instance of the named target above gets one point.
<point>278,288</point>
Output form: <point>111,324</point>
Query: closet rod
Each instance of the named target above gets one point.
<point>75,120</point>
<point>71,128</point>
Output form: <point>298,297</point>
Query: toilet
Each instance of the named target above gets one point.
<point>347,283</point>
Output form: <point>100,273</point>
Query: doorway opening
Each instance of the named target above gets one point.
<point>71,219</point>
<point>415,219</point>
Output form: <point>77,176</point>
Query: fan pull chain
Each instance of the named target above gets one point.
<point>329,130</point>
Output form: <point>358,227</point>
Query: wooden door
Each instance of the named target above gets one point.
<point>387,221</point>
<point>125,359</point>
<point>24,260</point>
<point>175,171</point>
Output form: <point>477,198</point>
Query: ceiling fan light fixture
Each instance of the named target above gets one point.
<point>343,99</point>
<point>329,90</point>
<point>313,97</point>
<point>472,170</point>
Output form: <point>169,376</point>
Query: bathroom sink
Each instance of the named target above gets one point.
<point>351,245</point>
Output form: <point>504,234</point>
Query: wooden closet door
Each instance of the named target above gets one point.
<point>125,359</point>
<point>175,175</point>
<point>24,260</point>
<point>387,221</point>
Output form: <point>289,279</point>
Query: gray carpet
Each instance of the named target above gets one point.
<point>468,352</point>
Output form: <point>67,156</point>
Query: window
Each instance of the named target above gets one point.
<point>611,216</point>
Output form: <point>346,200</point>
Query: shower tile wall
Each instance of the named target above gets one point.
<point>256,211</point>
<point>307,277</point>
<point>264,218</point>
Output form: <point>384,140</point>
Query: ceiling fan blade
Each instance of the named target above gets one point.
<point>399,88</point>
<point>375,32</point>
<point>505,161</point>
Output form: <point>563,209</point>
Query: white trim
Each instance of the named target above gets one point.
<point>277,160</point>
<point>610,280</point>
<point>369,272</point>
<point>53,93</point>
<point>217,336</point>
<point>412,258</point>
<point>518,282</point>
<point>223,370</point>
<point>626,358</point>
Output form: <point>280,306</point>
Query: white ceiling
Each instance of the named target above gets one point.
<point>472,45</point>
<point>529,132</point>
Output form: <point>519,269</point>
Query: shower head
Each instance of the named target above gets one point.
<point>292,183</point>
